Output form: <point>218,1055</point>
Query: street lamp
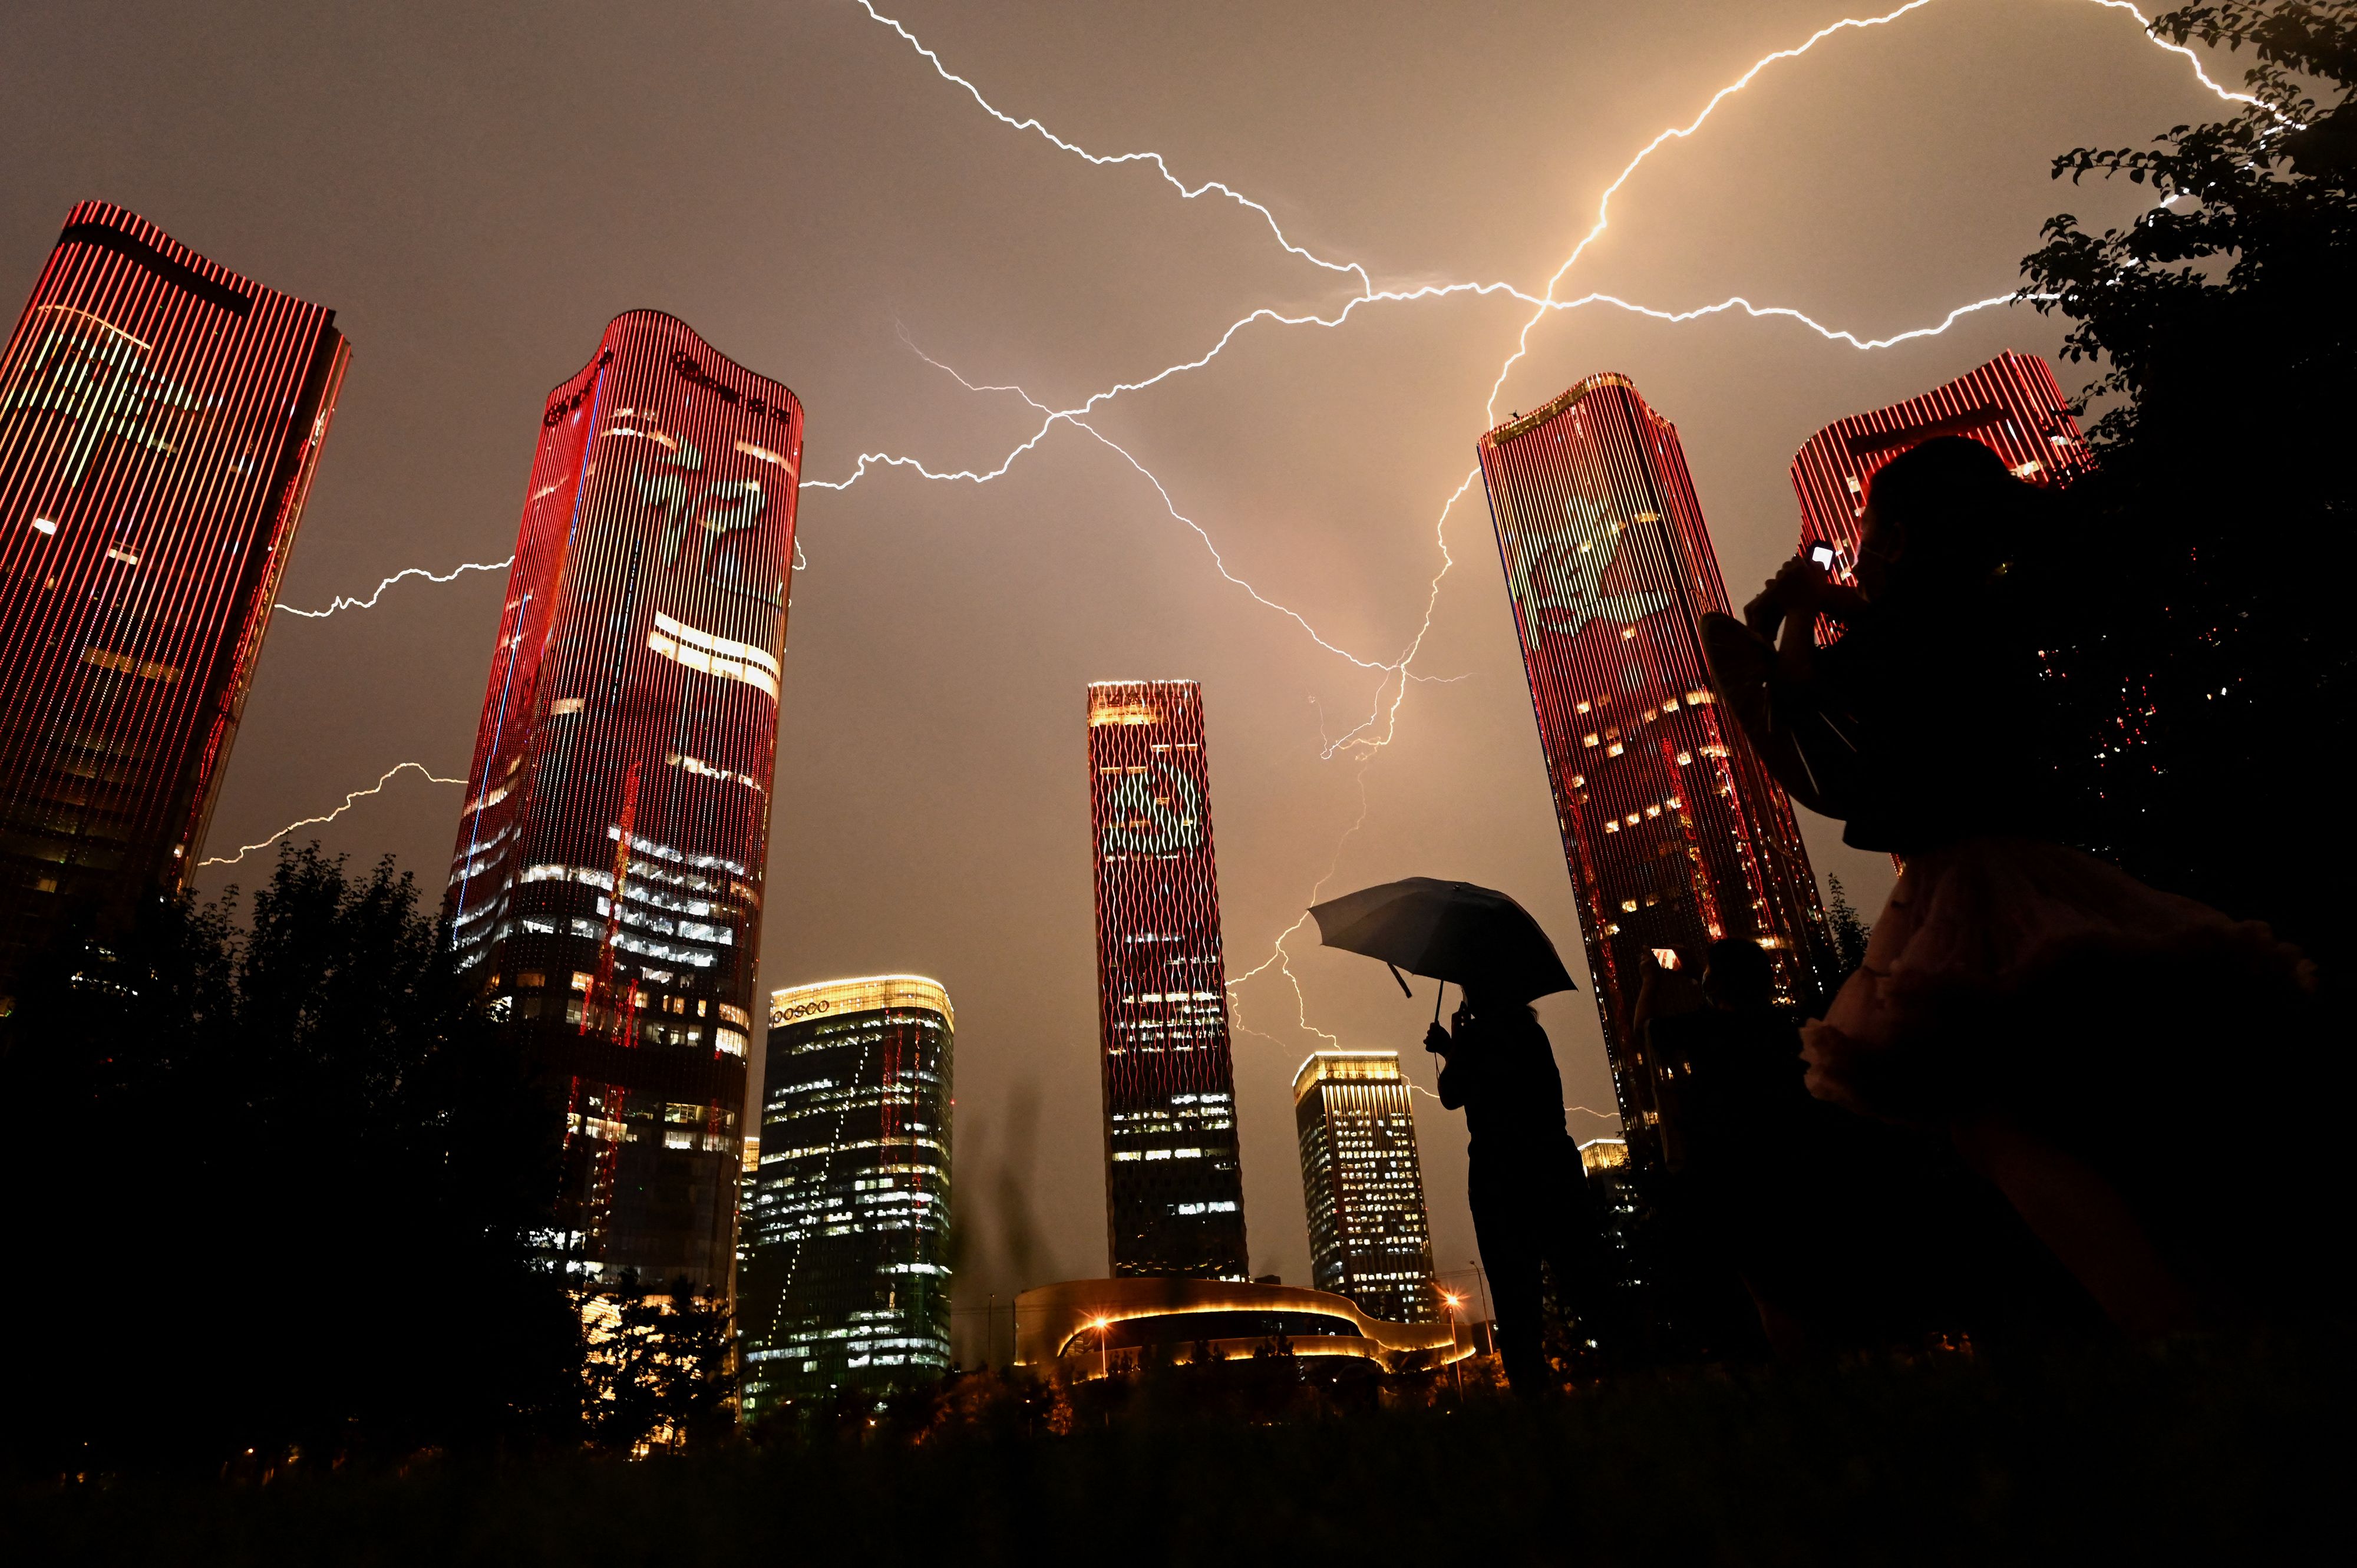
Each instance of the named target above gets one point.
<point>1456,1367</point>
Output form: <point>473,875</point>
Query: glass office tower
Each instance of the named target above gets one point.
<point>1363,1185</point>
<point>1174,1186</point>
<point>160,422</point>
<point>846,1272</point>
<point>607,883</point>
<point>1674,831</point>
<point>2012,405</point>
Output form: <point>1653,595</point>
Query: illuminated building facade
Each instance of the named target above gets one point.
<point>1619,1209</point>
<point>160,422</point>
<point>1174,1187</point>
<point>846,1275</point>
<point>1363,1185</point>
<point>1674,833</point>
<point>2012,405</point>
<point>607,883</point>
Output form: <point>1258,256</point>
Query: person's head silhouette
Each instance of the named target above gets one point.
<point>1938,519</point>
<point>1736,975</point>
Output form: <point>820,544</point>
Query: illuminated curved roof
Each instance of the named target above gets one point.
<point>1050,1319</point>
<point>868,993</point>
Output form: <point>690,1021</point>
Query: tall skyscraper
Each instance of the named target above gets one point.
<point>607,883</point>
<point>1674,833</point>
<point>846,1276</point>
<point>1619,1210</point>
<point>2012,404</point>
<point>1361,1179</point>
<point>1174,1187</point>
<point>160,421</point>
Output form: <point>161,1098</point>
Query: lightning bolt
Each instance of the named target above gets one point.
<point>342,603</point>
<point>1363,741</point>
<point>311,822</point>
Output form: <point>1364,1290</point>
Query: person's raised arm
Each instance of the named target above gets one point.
<point>1453,1075</point>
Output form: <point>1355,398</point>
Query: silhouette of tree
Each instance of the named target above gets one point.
<point>2193,644</point>
<point>1850,933</point>
<point>290,1175</point>
<point>660,1371</point>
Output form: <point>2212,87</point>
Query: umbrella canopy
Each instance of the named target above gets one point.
<point>1449,930</point>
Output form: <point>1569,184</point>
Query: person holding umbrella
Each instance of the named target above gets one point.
<point>1530,1212</point>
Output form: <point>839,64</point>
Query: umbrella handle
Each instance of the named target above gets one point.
<point>1397,975</point>
<point>1439,990</point>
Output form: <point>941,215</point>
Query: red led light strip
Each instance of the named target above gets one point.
<point>161,419</point>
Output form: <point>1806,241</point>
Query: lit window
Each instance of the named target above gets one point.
<point>1685,758</point>
<point>1628,905</point>
<point>1612,826</point>
<point>1628,633</point>
<point>1591,739</point>
<point>1653,811</point>
<point>563,705</point>
<point>1615,749</point>
<point>720,656</point>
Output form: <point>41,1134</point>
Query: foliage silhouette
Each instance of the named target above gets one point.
<point>287,1176</point>
<point>2193,638</point>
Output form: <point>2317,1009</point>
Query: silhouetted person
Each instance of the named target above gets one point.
<point>1522,1178</point>
<point>2048,1012</point>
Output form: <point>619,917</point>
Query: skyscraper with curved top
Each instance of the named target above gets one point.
<point>1174,1186</point>
<point>846,1272</point>
<point>1674,831</point>
<point>160,421</point>
<point>607,882</point>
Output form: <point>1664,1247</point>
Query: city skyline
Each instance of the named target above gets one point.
<point>942,625</point>
<point>606,879</point>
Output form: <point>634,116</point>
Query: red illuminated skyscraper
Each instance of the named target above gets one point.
<point>2012,404</point>
<point>607,883</point>
<point>1174,1187</point>
<point>160,421</point>
<point>1674,833</point>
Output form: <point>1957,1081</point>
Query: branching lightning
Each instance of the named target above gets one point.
<point>1392,690</point>
<point>342,603</point>
<point>1380,726</point>
<point>312,822</point>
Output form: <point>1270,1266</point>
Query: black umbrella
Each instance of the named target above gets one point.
<point>1449,930</point>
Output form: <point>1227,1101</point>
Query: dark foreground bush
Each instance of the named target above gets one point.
<point>2187,1451</point>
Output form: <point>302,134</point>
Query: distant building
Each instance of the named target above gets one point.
<point>160,421</point>
<point>1674,833</point>
<point>2012,405</point>
<point>606,887</point>
<point>1174,1187</point>
<point>1363,1185</point>
<point>1111,1326</point>
<point>846,1274</point>
<point>1619,1212</point>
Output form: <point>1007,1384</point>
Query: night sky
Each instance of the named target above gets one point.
<point>477,190</point>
